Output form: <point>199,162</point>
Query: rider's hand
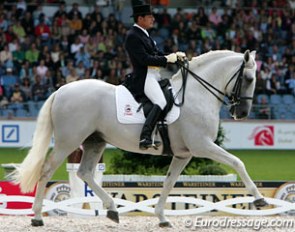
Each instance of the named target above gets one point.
<point>181,55</point>
<point>171,58</point>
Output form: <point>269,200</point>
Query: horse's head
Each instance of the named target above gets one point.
<point>241,95</point>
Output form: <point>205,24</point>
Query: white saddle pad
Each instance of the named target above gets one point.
<point>127,108</point>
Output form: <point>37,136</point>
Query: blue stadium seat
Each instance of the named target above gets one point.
<point>33,108</point>
<point>288,99</point>
<point>7,113</point>
<point>224,113</point>
<point>275,99</point>
<point>21,113</point>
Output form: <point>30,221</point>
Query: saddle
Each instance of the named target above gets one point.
<point>147,105</point>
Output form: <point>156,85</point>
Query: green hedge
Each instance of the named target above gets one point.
<point>133,163</point>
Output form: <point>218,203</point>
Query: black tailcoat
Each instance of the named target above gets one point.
<point>142,52</point>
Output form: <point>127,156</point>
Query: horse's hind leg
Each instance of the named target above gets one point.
<point>92,154</point>
<point>54,160</point>
<point>175,168</point>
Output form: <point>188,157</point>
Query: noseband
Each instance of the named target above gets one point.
<point>235,96</point>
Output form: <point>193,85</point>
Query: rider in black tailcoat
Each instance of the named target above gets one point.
<point>146,60</point>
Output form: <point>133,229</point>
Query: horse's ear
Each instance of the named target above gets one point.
<point>246,56</point>
<point>253,54</point>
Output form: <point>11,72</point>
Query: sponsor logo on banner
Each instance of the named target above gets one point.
<point>58,192</point>
<point>286,192</point>
<point>263,136</point>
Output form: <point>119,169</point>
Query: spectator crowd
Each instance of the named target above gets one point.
<point>39,54</point>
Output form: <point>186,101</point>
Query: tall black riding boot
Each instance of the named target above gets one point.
<point>148,127</point>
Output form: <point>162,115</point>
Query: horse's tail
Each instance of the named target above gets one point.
<point>29,172</point>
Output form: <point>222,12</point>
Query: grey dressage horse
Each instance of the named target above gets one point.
<point>84,112</point>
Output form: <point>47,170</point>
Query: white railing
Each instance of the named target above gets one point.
<point>279,206</point>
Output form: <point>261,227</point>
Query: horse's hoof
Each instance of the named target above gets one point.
<point>113,215</point>
<point>260,203</point>
<point>35,222</point>
<point>165,224</point>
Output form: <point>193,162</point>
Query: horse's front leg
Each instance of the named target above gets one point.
<point>218,154</point>
<point>175,168</point>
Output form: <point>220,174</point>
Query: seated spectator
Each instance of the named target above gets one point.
<point>8,80</point>
<point>272,85</point>
<point>55,55</point>
<point>33,54</point>
<point>6,59</point>
<point>42,69</point>
<point>291,84</point>
<point>14,44</point>
<point>61,10</point>
<point>26,89</point>
<point>18,57</point>
<point>47,81</point>
<point>214,17</point>
<point>43,32</point>
<point>65,70</point>
<point>76,25</point>
<point>75,11</point>
<point>264,110</point>
<point>73,76</point>
<point>38,90</point>
<point>17,95</point>
<point>25,70</point>
<point>80,70</point>
<point>260,87</point>
<point>75,47</point>
<point>3,22</point>
<point>19,31</point>
<point>55,32</point>
<point>84,57</point>
<point>84,36</point>
<point>91,47</point>
<point>28,23</point>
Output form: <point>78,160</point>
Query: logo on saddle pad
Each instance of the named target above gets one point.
<point>127,108</point>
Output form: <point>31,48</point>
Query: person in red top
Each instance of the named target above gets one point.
<point>42,30</point>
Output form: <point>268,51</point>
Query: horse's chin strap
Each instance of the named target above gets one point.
<point>235,95</point>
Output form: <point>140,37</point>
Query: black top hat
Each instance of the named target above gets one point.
<point>141,7</point>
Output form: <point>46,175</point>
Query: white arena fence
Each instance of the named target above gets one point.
<point>202,206</point>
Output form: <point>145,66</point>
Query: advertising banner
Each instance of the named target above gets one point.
<point>7,188</point>
<point>135,192</point>
<point>259,135</point>
<point>238,134</point>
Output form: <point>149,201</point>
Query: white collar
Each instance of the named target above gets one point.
<point>144,30</point>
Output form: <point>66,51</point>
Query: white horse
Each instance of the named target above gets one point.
<point>84,112</point>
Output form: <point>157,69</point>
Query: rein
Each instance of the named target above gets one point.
<point>235,95</point>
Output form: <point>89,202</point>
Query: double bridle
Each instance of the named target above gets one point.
<point>235,96</point>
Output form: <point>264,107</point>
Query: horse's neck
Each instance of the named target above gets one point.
<point>215,68</point>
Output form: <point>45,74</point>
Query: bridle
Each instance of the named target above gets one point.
<point>235,96</point>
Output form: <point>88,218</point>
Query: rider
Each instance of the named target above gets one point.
<point>146,60</point>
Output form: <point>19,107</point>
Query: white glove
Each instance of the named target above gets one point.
<point>171,58</point>
<point>181,54</point>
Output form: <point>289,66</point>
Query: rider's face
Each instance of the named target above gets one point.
<point>146,21</point>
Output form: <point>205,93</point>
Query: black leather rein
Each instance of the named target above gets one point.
<point>234,98</point>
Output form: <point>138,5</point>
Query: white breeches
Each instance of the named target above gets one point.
<point>152,88</point>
